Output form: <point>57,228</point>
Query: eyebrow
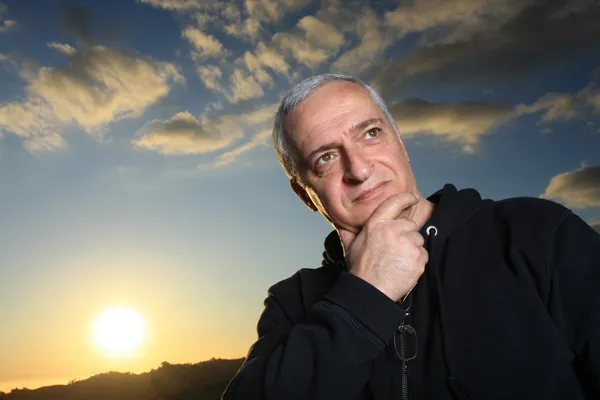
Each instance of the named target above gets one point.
<point>363,125</point>
<point>356,128</point>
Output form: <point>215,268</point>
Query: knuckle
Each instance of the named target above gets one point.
<point>417,254</point>
<point>408,224</point>
<point>386,230</point>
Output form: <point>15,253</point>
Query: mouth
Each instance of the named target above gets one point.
<point>371,192</point>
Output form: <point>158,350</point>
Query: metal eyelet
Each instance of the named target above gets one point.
<point>430,228</point>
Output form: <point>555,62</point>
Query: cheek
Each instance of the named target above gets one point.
<point>397,167</point>
<point>331,195</point>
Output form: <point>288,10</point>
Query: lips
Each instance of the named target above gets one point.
<point>371,192</point>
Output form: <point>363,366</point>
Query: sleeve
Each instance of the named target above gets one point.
<point>326,355</point>
<point>574,256</point>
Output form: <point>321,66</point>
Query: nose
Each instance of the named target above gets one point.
<point>358,167</point>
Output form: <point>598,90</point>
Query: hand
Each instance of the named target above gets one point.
<point>388,252</point>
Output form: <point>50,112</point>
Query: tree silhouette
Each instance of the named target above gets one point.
<point>204,380</point>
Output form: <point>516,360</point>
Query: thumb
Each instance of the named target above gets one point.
<point>346,237</point>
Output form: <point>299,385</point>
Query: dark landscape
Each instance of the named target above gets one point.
<point>202,381</point>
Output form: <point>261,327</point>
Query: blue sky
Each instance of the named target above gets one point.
<point>136,166</point>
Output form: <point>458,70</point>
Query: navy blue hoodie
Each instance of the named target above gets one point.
<point>508,308</point>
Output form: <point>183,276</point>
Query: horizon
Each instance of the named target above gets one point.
<point>62,381</point>
<point>137,169</point>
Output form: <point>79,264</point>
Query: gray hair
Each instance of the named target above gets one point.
<point>295,96</point>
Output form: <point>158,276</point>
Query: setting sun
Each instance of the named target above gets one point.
<point>119,331</point>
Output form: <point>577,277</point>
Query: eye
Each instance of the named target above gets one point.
<point>371,133</point>
<point>325,158</point>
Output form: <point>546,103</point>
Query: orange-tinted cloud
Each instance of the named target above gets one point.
<point>186,134</point>
<point>96,88</point>
<point>579,188</point>
<point>462,122</point>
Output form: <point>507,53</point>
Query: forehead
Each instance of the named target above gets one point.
<point>328,112</point>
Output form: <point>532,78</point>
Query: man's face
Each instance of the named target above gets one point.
<point>349,157</point>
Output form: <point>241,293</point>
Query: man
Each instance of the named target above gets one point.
<point>446,297</point>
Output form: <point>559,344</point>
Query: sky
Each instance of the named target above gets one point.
<point>137,170</point>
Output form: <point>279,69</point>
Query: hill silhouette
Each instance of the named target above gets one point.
<point>204,380</point>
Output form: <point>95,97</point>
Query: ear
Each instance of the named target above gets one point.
<point>300,192</point>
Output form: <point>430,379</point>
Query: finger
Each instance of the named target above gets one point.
<point>424,256</point>
<point>415,238</point>
<point>403,225</point>
<point>346,237</point>
<point>392,207</point>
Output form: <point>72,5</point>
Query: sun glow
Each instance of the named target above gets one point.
<point>119,331</point>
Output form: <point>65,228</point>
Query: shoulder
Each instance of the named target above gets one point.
<point>538,214</point>
<point>294,280</point>
<point>529,224</point>
<point>306,286</point>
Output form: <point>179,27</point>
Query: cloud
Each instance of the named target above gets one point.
<point>264,56</point>
<point>591,96</point>
<point>63,48</point>
<point>7,24</point>
<point>595,224</point>
<point>261,138</point>
<point>321,34</point>
<point>370,48</point>
<point>564,106</point>
<point>461,16</point>
<point>203,20</point>
<point>579,188</point>
<point>206,45</point>
<point>249,29</point>
<point>264,9</point>
<point>258,121</point>
<point>269,57</point>
<point>185,134</point>
<point>311,42</point>
<point>243,87</point>
<point>218,12</point>
<point>97,87</point>
<point>176,5</point>
<point>34,121</point>
<point>254,65</point>
<point>503,44</point>
<point>259,115</point>
<point>231,11</point>
<point>463,122</point>
<point>211,77</point>
<point>556,105</point>
<point>301,50</point>
<point>272,10</point>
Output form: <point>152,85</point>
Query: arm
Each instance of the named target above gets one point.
<point>574,257</point>
<point>327,354</point>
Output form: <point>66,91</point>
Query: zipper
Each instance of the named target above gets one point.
<point>404,365</point>
<point>403,330</point>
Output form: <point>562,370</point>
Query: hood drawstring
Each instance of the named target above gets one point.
<point>458,389</point>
